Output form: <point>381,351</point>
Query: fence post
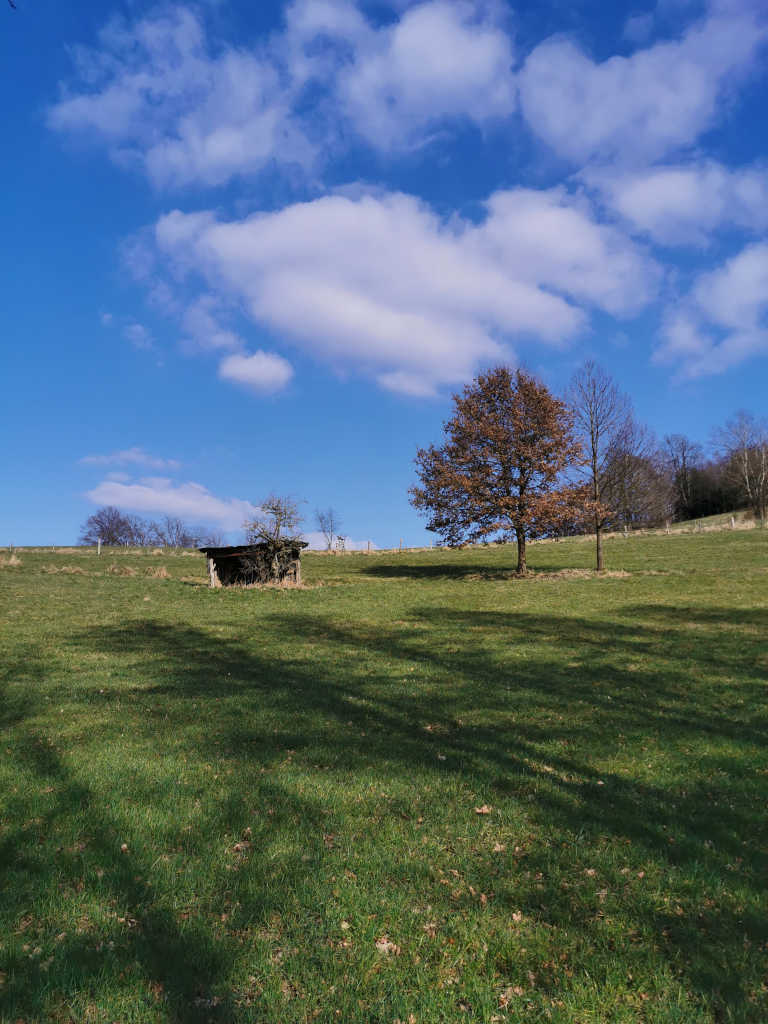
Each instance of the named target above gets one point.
<point>98,546</point>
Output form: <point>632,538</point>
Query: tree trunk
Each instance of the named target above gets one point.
<point>522,568</point>
<point>599,546</point>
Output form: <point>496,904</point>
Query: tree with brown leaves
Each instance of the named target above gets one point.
<point>501,470</point>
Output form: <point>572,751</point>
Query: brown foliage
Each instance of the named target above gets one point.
<point>500,472</point>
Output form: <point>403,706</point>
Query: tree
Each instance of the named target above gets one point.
<point>684,458</point>
<point>641,487</point>
<point>278,520</point>
<point>603,421</point>
<point>107,525</point>
<point>500,471</point>
<point>328,522</point>
<point>744,443</point>
<point>174,533</point>
<point>211,537</point>
<point>112,526</point>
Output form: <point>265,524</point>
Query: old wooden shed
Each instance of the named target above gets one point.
<point>246,564</point>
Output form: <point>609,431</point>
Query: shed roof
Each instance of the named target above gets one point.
<point>242,549</point>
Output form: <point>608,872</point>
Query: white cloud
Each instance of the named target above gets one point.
<point>201,322</point>
<point>264,372</point>
<point>158,97</point>
<point>161,96</point>
<point>138,335</point>
<point>441,60</point>
<point>160,496</point>
<point>639,108</point>
<point>380,284</point>
<point>130,456</point>
<point>724,319</point>
<point>685,203</point>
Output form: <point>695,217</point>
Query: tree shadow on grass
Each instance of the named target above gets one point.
<point>529,730</point>
<point>455,570</point>
<point>127,941</point>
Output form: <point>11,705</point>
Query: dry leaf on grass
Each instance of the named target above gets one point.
<point>485,809</point>
<point>509,994</point>
<point>386,946</point>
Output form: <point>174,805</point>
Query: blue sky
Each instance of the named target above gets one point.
<point>253,248</point>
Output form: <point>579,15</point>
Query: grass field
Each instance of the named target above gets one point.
<point>422,791</point>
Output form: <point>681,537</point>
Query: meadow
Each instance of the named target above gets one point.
<point>416,790</point>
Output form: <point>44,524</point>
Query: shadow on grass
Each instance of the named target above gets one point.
<point>528,729</point>
<point>453,570</point>
<point>126,938</point>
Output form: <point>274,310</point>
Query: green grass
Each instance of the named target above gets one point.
<point>216,803</point>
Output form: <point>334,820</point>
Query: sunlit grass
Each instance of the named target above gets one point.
<point>262,805</point>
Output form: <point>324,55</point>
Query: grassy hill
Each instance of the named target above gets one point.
<point>417,790</point>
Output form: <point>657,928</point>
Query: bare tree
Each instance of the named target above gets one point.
<point>278,520</point>
<point>328,522</point>
<point>744,442</point>
<point>174,533</point>
<point>210,537</point>
<point>138,532</point>
<point>640,488</point>
<point>603,420</point>
<point>107,525</point>
<point>683,457</point>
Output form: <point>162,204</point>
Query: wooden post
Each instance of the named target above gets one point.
<point>401,543</point>
<point>733,523</point>
<point>369,547</point>
<point>212,573</point>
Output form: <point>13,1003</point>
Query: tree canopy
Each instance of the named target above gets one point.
<point>501,472</point>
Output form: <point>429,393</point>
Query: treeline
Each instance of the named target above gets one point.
<point>518,461</point>
<point>115,528</point>
<point>638,481</point>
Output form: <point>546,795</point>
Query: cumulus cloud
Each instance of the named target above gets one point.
<point>201,321</point>
<point>439,61</point>
<point>685,203</point>
<point>160,95</point>
<point>724,319</point>
<point>159,495</point>
<point>130,456</point>
<point>640,108</point>
<point>138,335</point>
<point>381,284</point>
<point>263,372</point>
